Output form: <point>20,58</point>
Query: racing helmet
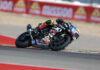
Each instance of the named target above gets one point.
<point>59,20</point>
<point>49,22</point>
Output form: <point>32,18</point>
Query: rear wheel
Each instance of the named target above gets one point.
<point>23,40</point>
<point>60,42</point>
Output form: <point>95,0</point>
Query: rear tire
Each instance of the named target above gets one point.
<point>54,46</point>
<point>23,40</point>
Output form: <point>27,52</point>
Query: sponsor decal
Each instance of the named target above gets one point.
<point>95,16</point>
<point>20,6</point>
<point>35,8</point>
<point>57,11</point>
<point>6,5</point>
<point>80,13</point>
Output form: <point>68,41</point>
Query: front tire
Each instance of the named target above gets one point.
<point>23,40</point>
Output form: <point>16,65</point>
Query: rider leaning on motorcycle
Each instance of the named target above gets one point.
<point>49,24</point>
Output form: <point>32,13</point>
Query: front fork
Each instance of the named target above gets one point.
<point>29,29</point>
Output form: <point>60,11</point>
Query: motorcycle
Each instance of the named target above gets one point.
<point>56,39</point>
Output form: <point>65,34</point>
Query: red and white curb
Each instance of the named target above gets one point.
<point>7,41</point>
<point>5,66</point>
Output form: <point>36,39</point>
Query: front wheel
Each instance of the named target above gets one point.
<point>60,42</point>
<point>23,40</point>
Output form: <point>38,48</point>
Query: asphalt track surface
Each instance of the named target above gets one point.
<point>48,58</point>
